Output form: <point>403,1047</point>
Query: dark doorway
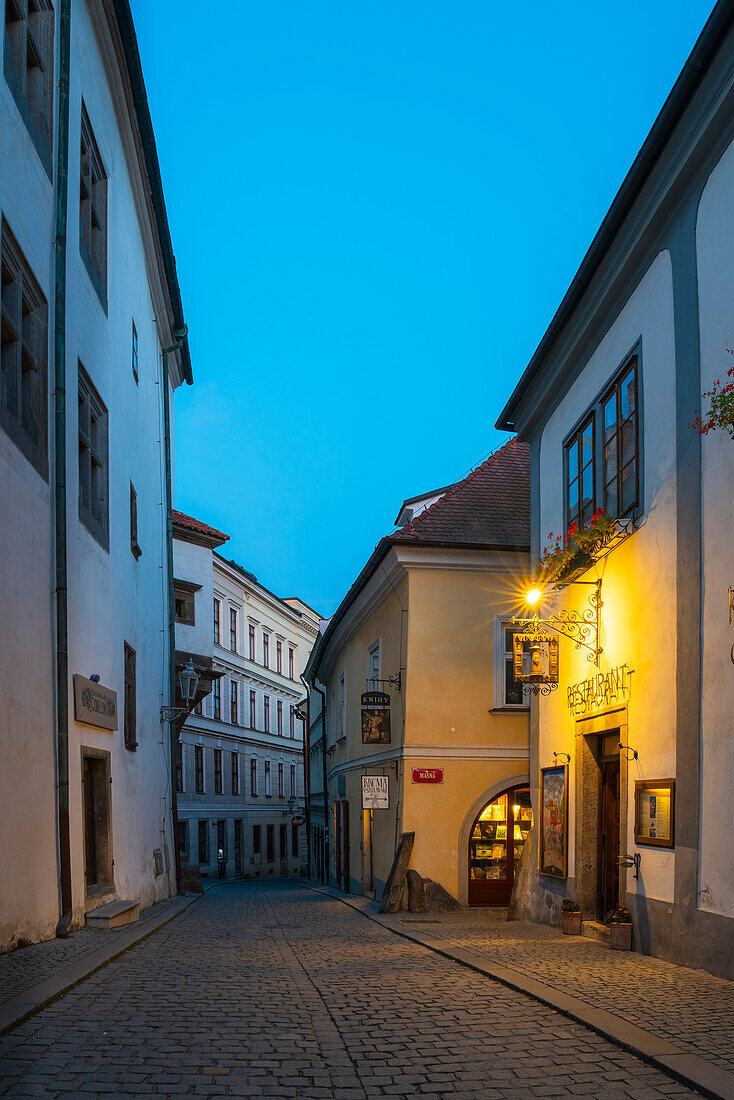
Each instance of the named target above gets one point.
<point>341,850</point>
<point>608,863</point>
<point>238,830</point>
<point>97,829</point>
<point>495,846</point>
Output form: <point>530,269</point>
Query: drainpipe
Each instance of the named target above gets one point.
<point>62,644</point>
<point>307,773</point>
<point>322,693</point>
<point>174,731</point>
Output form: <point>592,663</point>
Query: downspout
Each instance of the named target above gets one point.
<point>62,644</point>
<point>173,727</point>
<point>327,864</point>
<point>307,774</point>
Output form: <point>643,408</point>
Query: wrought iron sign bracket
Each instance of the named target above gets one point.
<point>172,714</point>
<point>393,681</point>
<point>581,627</point>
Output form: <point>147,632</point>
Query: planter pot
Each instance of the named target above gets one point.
<point>571,923</point>
<point>620,937</point>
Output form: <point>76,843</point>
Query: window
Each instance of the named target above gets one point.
<point>292,721</point>
<point>278,656</point>
<point>131,741</point>
<point>179,766</point>
<point>134,353</point>
<point>183,839</point>
<point>134,547</point>
<point>253,777</point>
<point>281,781</point>
<point>266,650</point>
<point>233,708</point>
<point>23,356</point>
<point>373,666</point>
<point>199,768</point>
<point>271,843</point>
<point>253,710</point>
<point>284,842</point>
<point>268,791</point>
<point>266,713</point>
<point>233,630</point>
<point>217,620</point>
<point>185,602</point>
<point>203,842</point>
<point>291,662</point>
<point>621,472</point>
<point>29,54</point>
<point>93,210</point>
<point>93,461</point>
<point>293,780</point>
<point>235,773</point>
<point>507,692</point>
<point>217,771</point>
<point>279,709</point>
<point>294,841</point>
<point>256,841</point>
<point>251,641</point>
<point>341,708</point>
<point>216,700</point>
<point>580,475</point>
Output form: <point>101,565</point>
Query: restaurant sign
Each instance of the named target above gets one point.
<point>375,718</point>
<point>375,794</point>
<point>94,705</point>
<point>600,691</point>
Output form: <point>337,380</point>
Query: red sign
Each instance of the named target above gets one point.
<point>427,775</point>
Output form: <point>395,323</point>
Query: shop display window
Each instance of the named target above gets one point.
<point>499,836</point>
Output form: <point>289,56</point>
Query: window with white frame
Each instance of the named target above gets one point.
<point>374,665</point>
<point>341,708</point>
<point>268,789</point>
<point>253,776</point>
<point>331,719</point>
<point>507,692</point>
<point>293,780</point>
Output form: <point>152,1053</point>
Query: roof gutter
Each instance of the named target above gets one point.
<point>682,93</point>
<point>140,100</point>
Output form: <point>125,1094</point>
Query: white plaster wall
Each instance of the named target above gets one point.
<point>28,866</point>
<point>639,614</point>
<point>194,564</point>
<point>715,251</point>
<point>112,597</point>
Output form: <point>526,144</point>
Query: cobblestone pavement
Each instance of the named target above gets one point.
<point>691,1008</point>
<point>27,966</point>
<point>276,991</point>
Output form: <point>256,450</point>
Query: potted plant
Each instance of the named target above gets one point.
<point>620,928</point>
<point>570,918</point>
<point>568,556</point>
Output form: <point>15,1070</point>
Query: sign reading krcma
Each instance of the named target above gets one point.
<point>375,792</point>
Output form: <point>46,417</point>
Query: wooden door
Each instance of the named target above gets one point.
<point>609,836</point>
<point>90,826</point>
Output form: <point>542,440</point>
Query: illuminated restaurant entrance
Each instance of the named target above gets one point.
<point>495,846</point>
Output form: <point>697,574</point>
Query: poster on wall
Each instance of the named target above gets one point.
<point>375,718</point>
<point>655,812</point>
<point>553,847</point>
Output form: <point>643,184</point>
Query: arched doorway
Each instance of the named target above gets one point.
<point>496,842</point>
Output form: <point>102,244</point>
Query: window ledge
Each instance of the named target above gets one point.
<point>519,708</point>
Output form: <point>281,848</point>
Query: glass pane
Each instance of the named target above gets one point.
<point>610,416</point>
<point>610,502</point>
<point>573,499</point>
<point>587,442</point>
<point>508,640</point>
<point>627,394</point>
<point>513,691</point>
<point>629,485</point>
<point>588,485</point>
<point>573,461</point>
<point>628,440</point>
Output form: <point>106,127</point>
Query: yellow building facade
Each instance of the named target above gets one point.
<point>428,623</point>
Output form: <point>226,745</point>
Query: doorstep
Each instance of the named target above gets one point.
<point>595,930</point>
<point>113,915</point>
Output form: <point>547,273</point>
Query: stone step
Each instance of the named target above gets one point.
<point>113,915</point>
<point>595,930</point>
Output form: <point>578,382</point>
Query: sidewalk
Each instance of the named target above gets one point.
<point>680,1020</point>
<point>31,977</point>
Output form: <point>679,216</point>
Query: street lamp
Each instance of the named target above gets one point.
<point>188,682</point>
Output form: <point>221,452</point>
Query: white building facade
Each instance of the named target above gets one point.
<point>240,779</point>
<point>607,405</point>
<point>89,301</point>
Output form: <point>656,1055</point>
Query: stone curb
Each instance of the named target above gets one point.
<point>25,1004</point>
<point>690,1069</point>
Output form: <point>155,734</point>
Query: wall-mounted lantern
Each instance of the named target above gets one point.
<point>188,682</point>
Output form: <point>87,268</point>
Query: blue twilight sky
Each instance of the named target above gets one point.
<point>376,209</point>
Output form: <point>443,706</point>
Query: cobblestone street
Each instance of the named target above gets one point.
<point>279,991</point>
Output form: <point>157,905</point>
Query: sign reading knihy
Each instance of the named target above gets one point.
<point>375,718</point>
<point>375,792</point>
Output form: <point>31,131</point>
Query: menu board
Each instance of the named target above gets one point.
<point>655,812</point>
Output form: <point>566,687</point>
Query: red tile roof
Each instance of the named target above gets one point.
<point>490,507</point>
<point>195,526</point>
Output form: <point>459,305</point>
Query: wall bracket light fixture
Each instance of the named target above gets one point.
<point>566,754</point>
